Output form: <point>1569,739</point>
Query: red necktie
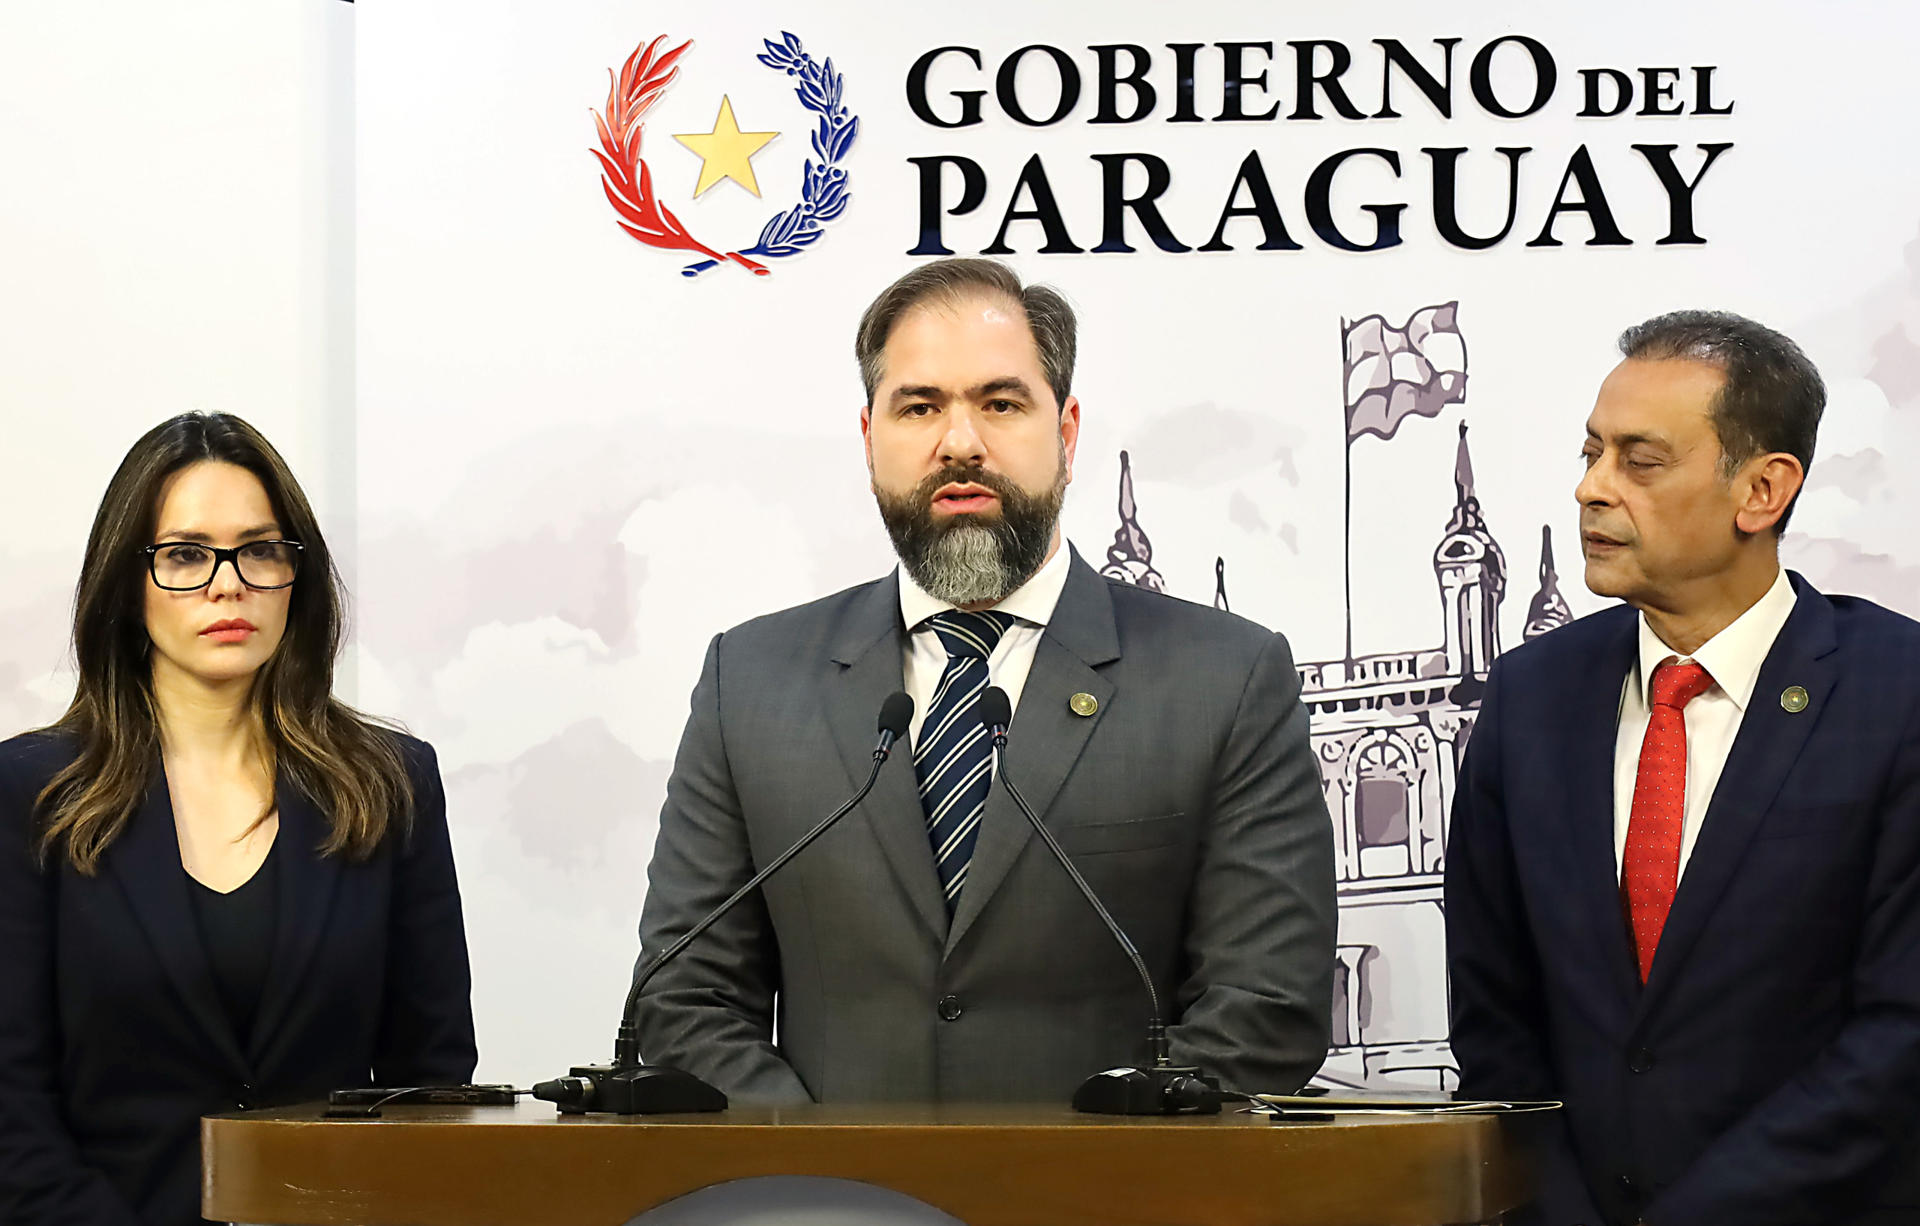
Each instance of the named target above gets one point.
<point>1650,867</point>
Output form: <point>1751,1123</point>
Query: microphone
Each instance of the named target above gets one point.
<point>1162,1088</point>
<point>628,1087</point>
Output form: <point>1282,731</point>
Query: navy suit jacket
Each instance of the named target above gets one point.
<point>113,1040</point>
<point>1769,1070</point>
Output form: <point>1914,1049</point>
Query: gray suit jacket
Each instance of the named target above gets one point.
<point>1189,800</point>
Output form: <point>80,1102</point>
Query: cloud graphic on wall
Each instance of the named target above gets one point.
<point>1204,444</point>
<point>705,547</point>
<point>553,670</point>
<point>1896,366</point>
<point>1244,512</point>
<point>1858,475</point>
<point>713,548</point>
<point>582,799</point>
<point>1844,566</point>
<point>1852,527</point>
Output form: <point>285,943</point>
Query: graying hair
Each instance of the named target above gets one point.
<point>1771,398</point>
<point>952,282</point>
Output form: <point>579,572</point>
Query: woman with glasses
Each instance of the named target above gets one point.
<point>220,887</point>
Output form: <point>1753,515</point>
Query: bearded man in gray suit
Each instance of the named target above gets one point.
<point>929,947</point>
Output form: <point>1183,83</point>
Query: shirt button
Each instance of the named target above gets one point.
<point>1640,1061</point>
<point>950,1008</point>
<point>243,1097</point>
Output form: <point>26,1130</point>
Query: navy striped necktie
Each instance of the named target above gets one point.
<point>954,758</point>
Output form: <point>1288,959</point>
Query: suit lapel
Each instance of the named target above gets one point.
<point>870,652</point>
<point>145,862</point>
<point>1765,749</point>
<point>1046,737</point>
<point>1591,731</point>
<point>305,889</point>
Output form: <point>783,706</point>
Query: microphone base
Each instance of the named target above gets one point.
<point>1168,1090</point>
<point>638,1089</point>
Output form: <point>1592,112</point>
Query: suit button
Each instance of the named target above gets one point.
<point>950,1008</point>
<point>1640,1061</point>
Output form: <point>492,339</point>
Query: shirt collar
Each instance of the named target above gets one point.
<point>1033,601</point>
<point>1732,657</point>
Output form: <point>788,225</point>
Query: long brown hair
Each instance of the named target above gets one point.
<point>348,765</point>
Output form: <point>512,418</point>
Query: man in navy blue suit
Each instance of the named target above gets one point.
<point>1683,883</point>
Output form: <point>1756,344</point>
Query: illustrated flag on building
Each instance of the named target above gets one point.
<point>1420,367</point>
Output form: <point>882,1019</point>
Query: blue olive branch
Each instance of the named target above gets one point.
<point>823,182</point>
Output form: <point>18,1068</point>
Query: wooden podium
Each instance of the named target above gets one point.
<point>986,1165</point>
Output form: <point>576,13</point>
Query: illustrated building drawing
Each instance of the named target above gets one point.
<point>1389,732</point>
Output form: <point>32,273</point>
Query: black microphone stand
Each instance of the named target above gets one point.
<point>1162,1087</point>
<point>628,1087</point>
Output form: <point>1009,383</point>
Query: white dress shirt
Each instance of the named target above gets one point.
<point>1732,658</point>
<point>1031,606</point>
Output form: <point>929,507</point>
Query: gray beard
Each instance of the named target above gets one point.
<point>967,565</point>
<point>973,562</point>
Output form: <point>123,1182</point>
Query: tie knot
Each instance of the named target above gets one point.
<point>1676,684</point>
<point>969,635</point>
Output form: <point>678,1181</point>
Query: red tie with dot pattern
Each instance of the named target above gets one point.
<point>1650,867</point>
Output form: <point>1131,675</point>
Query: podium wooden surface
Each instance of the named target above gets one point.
<point>986,1165</point>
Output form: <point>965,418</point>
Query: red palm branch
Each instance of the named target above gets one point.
<point>624,173</point>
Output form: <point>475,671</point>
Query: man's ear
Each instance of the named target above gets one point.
<point>1770,481</point>
<point>1070,431</point>
<point>866,434</point>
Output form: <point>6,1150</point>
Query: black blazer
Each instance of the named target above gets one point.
<point>113,1040</point>
<point>1769,1071</point>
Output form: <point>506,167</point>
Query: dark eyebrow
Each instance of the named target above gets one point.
<point>1635,440</point>
<point>1009,383</point>
<point>201,538</point>
<point>1631,440</point>
<point>921,392</point>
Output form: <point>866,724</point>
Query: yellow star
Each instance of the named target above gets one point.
<point>725,151</point>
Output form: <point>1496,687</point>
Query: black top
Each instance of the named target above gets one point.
<point>237,930</point>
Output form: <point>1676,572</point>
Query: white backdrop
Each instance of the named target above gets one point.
<point>566,465</point>
<point>177,230</point>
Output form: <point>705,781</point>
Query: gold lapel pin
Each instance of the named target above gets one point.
<point>1793,699</point>
<point>1083,704</point>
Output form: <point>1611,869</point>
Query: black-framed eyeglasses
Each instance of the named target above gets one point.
<point>184,566</point>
